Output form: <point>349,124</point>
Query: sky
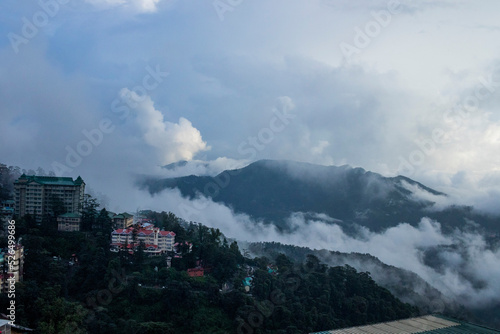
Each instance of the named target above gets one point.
<point>112,89</point>
<point>108,89</point>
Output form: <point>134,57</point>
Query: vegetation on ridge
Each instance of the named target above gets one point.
<point>108,292</point>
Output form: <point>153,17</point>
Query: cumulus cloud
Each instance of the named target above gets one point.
<point>173,141</point>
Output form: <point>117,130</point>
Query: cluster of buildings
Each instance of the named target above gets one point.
<point>155,241</point>
<point>37,195</point>
<point>71,221</point>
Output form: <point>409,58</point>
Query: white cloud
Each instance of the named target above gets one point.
<point>173,141</point>
<point>420,194</point>
<point>318,149</point>
<point>142,6</point>
<point>201,167</point>
<point>146,5</point>
<point>225,76</point>
<point>464,258</point>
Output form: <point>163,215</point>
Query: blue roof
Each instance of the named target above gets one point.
<point>247,281</point>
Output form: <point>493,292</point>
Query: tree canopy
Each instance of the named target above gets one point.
<point>107,292</point>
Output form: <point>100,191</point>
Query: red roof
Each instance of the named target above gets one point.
<point>195,272</point>
<point>144,231</point>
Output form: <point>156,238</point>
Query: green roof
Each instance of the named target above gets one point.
<point>123,215</point>
<point>50,180</point>
<point>79,180</point>
<point>435,324</point>
<point>70,215</point>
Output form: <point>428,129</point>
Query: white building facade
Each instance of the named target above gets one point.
<point>155,241</point>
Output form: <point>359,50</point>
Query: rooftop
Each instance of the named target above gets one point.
<point>50,180</point>
<point>70,215</point>
<point>123,215</point>
<point>4,322</point>
<point>142,231</point>
<point>426,324</point>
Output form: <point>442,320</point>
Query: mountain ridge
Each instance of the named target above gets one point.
<point>272,190</point>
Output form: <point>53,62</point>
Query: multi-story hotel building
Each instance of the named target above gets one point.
<point>34,195</point>
<point>156,242</point>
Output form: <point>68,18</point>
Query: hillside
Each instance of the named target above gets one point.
<point>145,294</point>
<point>403,284</point>
<point>272,190</point>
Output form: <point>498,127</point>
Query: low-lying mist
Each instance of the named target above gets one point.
<point>462,264</point>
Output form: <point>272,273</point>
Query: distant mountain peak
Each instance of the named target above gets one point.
<point>272,190</point>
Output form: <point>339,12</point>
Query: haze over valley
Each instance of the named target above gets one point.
<point>365,133</point>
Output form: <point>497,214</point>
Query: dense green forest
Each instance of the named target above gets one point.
<point>106,292</point>
<point>74,284</point>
